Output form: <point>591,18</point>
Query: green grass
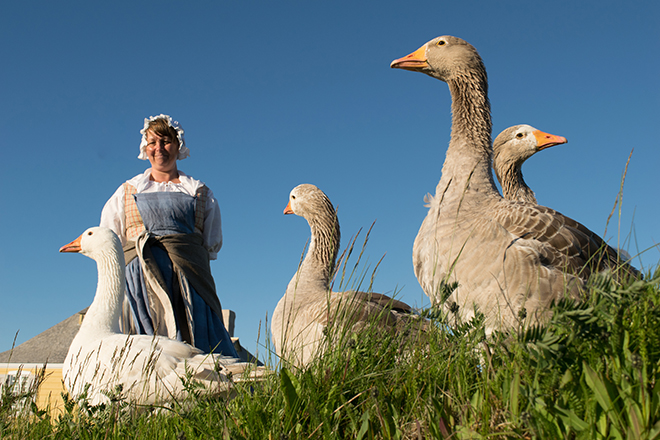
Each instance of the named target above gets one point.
<point>591,372</point>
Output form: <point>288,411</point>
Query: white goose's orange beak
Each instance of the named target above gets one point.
<point>547,140</point>
<point>415,61</point>
<point>74,246</point>
<point>288,209</point>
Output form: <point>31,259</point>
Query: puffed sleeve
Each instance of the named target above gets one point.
<point>112,215</point>
<point>212,226</point>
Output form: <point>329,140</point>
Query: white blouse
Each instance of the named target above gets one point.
<point>112,215</point>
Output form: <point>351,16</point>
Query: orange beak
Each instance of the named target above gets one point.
<point>546,140</point>
<point>74,246</point>
<point>416,61</point>
<point>288,209</point>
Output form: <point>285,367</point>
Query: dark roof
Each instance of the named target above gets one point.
<point>50,346</point>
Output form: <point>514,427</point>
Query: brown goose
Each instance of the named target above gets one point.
<point>511,148</point>
<point>510,259</point>
<point>309,306</point>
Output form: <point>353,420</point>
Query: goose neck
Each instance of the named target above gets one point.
<point>472,122</point>
<point>513,184</point>
<point>315,271</point>
<point>103,313</point>
<point>324,245</point>
<point>469,155</point>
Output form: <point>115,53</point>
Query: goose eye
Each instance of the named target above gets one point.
<point>293,197</point>
<point>441,43</point>
<point>90,233</point>
<point>519,135</point>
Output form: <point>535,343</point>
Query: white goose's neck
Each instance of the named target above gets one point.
<point>467,165</point>
<point>103,314</point>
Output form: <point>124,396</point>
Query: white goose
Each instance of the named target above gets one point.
<point>510,259</point>
<point>511,148</point>
<point>147,368</point>
<point>309,306</point>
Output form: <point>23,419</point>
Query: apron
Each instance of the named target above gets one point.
<point>163,214</point>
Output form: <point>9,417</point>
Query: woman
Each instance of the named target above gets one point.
<point>169,224</point>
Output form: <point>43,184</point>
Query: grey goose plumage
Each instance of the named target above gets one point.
<point>510,259</point>
<point>511,148</point>
<point>309,306</point>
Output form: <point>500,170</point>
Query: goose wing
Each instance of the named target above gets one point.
<point>383,301</point>
<point>565,243</point>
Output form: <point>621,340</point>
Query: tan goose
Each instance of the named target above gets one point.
<point>149,369</point>
<point>309,306</point>
<point>511,148</point>
<point>510,259</point>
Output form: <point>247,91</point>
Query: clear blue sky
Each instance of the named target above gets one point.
<point>274,94</point>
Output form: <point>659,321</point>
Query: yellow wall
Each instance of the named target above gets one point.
<point>51,389</point>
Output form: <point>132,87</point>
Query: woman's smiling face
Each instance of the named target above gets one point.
<point>162,151</point>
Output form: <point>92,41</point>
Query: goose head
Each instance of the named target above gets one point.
<point>518,143</point>
<point>443,58</point>
<point>309,202</point>
<point>95,242</point>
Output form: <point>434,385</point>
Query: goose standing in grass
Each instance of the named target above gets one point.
<point>309,306</point>
<point>511,148</point>
<point>148,369</point>
<point>509,259</point>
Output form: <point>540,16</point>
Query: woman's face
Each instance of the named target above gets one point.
<point>162,151</point>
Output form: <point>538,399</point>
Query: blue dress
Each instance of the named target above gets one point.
<point>170,213</point>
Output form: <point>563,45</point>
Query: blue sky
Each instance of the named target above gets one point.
<point>274,94</point>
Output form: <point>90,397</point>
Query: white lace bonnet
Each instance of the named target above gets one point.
<point>183,150</point>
